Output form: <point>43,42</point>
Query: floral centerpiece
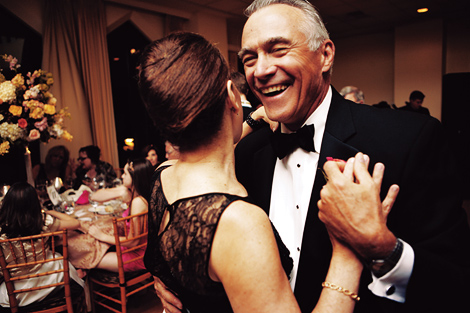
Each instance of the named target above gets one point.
<point>27,107</point>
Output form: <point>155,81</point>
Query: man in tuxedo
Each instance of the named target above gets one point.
<point>418,260</point>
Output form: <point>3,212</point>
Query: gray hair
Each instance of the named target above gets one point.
<point>354,90</point>
<point>313,27</point>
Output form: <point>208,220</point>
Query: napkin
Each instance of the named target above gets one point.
<point>72,194</point>
<point>83,199</point>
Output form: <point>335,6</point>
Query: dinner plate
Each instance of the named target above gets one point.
<point>102,209</point>
<point>80,213</point>
<point>96,209</point>
<point>89,219</point>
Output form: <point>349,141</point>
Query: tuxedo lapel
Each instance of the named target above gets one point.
<point>315,242</point>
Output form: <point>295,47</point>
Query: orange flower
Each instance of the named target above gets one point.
<point>36,113</point>
<point>49,109</point>
<point>67,136</point>
<point>15,110</point>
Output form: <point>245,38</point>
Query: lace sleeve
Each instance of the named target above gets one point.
<point>156,208</point>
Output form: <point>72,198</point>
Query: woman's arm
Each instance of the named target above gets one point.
<point>65,220</point>
<point>246,260</point>
<point>119,192</point>
<point>258,115</point>
<point>138,205</point>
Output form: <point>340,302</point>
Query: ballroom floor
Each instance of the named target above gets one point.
<point>145,301</point>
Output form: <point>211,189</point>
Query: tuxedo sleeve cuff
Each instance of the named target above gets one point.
<point>393,284</point>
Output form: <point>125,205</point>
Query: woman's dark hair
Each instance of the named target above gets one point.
<point>183,83</point>
<point>147,149</point>
<point>141,171</point>
<point>21,213</point>
<point>54,151</point>
<point>93,152</point>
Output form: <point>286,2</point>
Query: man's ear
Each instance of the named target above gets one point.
<point>328,55</point>
<point>234,102</point>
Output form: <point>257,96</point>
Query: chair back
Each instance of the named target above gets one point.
<point>19,255</point>
<point>129,232</point>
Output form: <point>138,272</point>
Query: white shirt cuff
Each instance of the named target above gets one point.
<point>393,284</point>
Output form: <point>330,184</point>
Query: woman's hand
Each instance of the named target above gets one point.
<point>98,233</point>
<point>258,115</point>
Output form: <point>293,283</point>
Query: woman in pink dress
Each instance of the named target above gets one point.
<point>135,190</point>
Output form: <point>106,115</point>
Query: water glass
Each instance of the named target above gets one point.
<point>69,206</point>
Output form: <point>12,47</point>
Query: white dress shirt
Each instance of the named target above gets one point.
<point>292,187</point>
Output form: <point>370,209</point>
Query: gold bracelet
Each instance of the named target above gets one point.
<point>347,292</point>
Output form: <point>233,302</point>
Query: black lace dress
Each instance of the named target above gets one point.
<point>179,256</point>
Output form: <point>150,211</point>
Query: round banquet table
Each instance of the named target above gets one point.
<point>85,251</point>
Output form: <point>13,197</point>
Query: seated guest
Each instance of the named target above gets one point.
<point>135,190</point>
<point>56,165</point>
<point>92,168</point>
<point>150,153</point>
<point>171,151</point>
<point>352,93</point>
<point>20,216</point>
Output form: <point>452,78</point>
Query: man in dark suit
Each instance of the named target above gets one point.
<point>418,260</point>
<point>416,103</point>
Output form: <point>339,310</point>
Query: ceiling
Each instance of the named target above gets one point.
<point>343,18</point>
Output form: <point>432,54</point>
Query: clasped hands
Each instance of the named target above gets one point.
<point>351,208</point>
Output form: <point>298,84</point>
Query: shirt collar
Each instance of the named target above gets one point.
<point>318,118</point>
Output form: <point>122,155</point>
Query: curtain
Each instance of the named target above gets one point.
<point>75,52</point>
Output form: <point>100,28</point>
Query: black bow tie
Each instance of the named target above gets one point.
<point>283,144</point>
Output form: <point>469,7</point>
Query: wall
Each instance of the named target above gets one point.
<point>151,25</point>
<point>366,62</point>
<point>388,66</point>
<point>420,68</point>
<point>28,10</point>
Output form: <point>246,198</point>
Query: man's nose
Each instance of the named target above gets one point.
<point>264,67</point>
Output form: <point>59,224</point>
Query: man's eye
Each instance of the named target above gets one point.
<point>279,51</point>
<point>249,60</point>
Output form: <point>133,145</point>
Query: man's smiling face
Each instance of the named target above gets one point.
<point>280,68</point>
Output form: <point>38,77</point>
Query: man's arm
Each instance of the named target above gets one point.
<point>350,206</point>
<point>355,213</point>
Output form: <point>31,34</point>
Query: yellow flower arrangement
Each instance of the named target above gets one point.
<point>27,108</point>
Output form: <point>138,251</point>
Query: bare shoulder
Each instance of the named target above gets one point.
<point>139,205</point>
<point>244,216</point>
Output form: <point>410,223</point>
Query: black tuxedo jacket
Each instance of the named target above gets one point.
<point>427,213</point>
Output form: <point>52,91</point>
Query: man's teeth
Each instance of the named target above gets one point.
<point>272,89</point>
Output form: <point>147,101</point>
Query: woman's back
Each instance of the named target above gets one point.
<point>179,255</point>
<point>51,224</point>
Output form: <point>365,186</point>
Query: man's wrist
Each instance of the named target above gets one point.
<point>380,267</point>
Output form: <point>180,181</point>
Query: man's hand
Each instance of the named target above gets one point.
<point>351,208</point>
<point>171,304</point>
